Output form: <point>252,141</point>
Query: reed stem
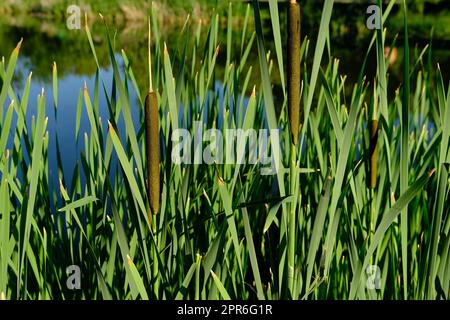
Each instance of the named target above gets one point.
<point>292,222</point>
<point>373,124</point>
<point>373,157</point>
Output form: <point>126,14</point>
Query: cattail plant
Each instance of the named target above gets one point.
<point>293,75</point>
<point>152,149</point>
<point>152,139</point>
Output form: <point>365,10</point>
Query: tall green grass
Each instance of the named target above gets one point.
<point>225,231</point>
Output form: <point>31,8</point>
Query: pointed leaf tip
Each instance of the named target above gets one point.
<point>110,127</point>
<point>19,45</point>
<point>129,260</point>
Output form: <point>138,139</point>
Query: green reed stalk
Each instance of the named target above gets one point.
<point>292,225</point>
<point>404,161</point>
<point>373,157</point>
<point>293,74</point>
<point>373,124</point>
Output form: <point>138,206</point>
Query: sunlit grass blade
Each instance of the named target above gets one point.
<point>404,152</point>
<point>222,290</point>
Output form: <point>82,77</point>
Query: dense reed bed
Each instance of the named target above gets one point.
<point>357,209</point>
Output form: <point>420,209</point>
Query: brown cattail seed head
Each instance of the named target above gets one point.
<point>293,69</point>
<point>152,149</point>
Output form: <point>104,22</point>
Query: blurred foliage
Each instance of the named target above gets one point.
<point>46,38</point>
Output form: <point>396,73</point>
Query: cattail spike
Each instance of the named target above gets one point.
<point>293,71</point>
<point>152,150</point>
